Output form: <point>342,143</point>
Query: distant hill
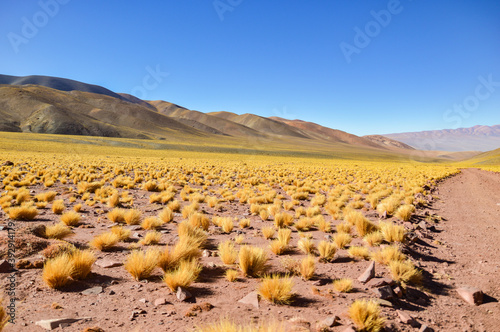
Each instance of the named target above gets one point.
<point>477,138</point>
<point>385,141</point>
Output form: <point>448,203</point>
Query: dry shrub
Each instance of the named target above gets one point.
<point>58,231</point>
<point>117,215</point>
<point>140,264</point>
<point>358,252</point>
<point>150,238</point>
<point>132,217</point>
<point>70,218</point>
<point>392,232</point>
<point>57,271</point>
<point>105,241</point>
<point>225,325</point>
<point>22,212</point>
<point>186,273</point>
<point>252,260</point>
<point>344,227</point>
<point>46,196</point>
<point>276,289</point>
<point>405,212</point>
<point>82,261</point>
<point>405,271</point>
<point>226,225</point>
<point>268,232</point>
<point>123,233</point>
<point>387,255</point>
<point>151,223</point>
<point>4,318</point>
<point>58,206</point>
<point>307,267</point>
<point>57,249</point>
<point>326,251</point>
<point>366,316</point>
<point>227,253</point>
<point>306,245</point>
<point>166,215</point>
<point>232,275</point>
<point>341,240</point>
<point>199,220</point>
<point>374,238</point>
<point>343,285</point>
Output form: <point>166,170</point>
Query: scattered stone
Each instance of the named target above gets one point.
<point>471,295</point>
<point>50,324</point>
<point>329,322</point>
<point>56,306</point>
<point>368,274</point>
<point>134,228</point>
<point>383,215</point>
<point>412,237</point>
<point>206,306</point>
<point>398,291</point>
<point>383,303</point>
<point>183,294</point>
<point>92,291</point>
<point>425,328</point>
<point>405,318</point>
<point>111,292</point>
<point>136,313</point>
<point>160,301</point>
<point>384,292</point>
<point>298,324</point>
<point>136,236</point>
<point>93,329</point>
<point>376,282</point>
<point>422,225</point>
<point>107,263</point>
<point>5,266</point>
<point>206,253</point>
<point>143,300</point>
<point>349,329</point>
<point>252,298</point>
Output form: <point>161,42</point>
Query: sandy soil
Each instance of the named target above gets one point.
<point>461,249</point>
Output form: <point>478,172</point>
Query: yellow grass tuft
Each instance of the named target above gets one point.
<point>58,231</point>
<point>140,264</point>
<point>392,232</point>
<point>306,245</point>
<point>374,238</point>
<point>57,271</point>
<point>284,235</point>
<point>123,233</point>
<point>388,254</point>
<point>405,271</point>
<point>46,196</point>
<point>358,252</point>
<point>77,208</point>
<point>22,212</point>
<point>227,253</point>
<point>268,232</point>
<point>263,214</point>
<point>200,220</point>
<point>70,218</point>
<point>276,289</point>
<point>82,261</point>
<point>58,206</point>
<point>150,238</point>
<point>252,260</point>
<point>344,227</point>
<point>326,251</point>
<point>341,240</point>
<point>225,325</point>
<point>151,223</point>
<point>132,217</point>
<point>4,318</point>
<point>366,316</point>
<point>405,212</point>
<point>232,275</point>
<point>186,273</point>
<point>166,215</point>
<point>322,224</point>
<point>226,225</point>
<point>343,285</point>
<point>105,241</point>
<point>117,215</point>
<point>307,267</point>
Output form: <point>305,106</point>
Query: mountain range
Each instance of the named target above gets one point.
<point>43,104</point>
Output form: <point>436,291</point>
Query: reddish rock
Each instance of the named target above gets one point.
<point>252,298</point>
<point>405,318</point>
<point>368,274</point>
<point>471,295</point>
<point>377,282</point>
<point>107,263</point>
<point>160,301</point>
<point>5,266</point>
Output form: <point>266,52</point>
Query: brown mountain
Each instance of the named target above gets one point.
<point>388,142</point>
<point>316,131</point>
<point>477,138</point>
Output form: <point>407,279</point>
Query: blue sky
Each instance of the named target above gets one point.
<point>365,67</point>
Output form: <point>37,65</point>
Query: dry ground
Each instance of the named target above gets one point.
<point>463,248</point>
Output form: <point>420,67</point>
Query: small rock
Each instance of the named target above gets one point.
<point>160,301</point>
<point>405,318</point>
<point>5,266</point>
<point>251,298</point>
<point>383,215</point>
<point>398,291</point>
<point>383,303</point>
<point>50,324</point>
<point>329,321</point>
<point>183,294</point>
<point>111,292</point>
<point>349,329</point>
<point>134,228</point>
<point>92,291</point>
<point>206,253</point>
<point>368,274</point>
<point>143,300</point>
<point>471,295</point>
<point>107,263</point>
<point>425,328</point>
<point>376,282</point>
<point>322,282</point>
<point>136,236</point>
<point>384,292</point>
<point>422,225</point>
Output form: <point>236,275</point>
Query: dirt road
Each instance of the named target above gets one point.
<point>468,252</point>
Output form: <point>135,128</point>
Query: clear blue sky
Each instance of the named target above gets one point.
<point>284,58</point>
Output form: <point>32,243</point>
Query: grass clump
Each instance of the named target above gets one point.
<point>58,231</point>
<point>276,289</point>
<point>70,218</point>
<point>166,215</point>
<point>132,217</point>
<point>358,252</point>
<point>341,240</point>
<point>140,264</point>
<point>186,273</point>
<point>117,215</point>
<point>343,285</point>
<point>225,325</point>
<point>405,212</point>
<point>405,271</point>
<point>58,206</point>
<point>252,260</point>
<point>326,251</point>
<point>151,223</point>
<point>374,238</point>
<point>57,271</point>
<point>4,318</point>
<point>392,232</point>
<point>306,245</point>
<point>366,316</point>
<point>82,261</point>
<point>227,253</point>
<point>105,241</point>
<point>46,196</point>
<point>150,238</point>
<point>268,232</point>
<point>23,212</point>
<point>307,267</point>
<point>123,233</point>
<point>387,255</point>
<point>232,275</point>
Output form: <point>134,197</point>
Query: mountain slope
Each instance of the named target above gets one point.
<point>32,108</point>
<point>477,138</point>
<point>388,142</point>
<point>208,121</point>
<point>57,83</point>
<point>262,124</point>
<point>316,131</point>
